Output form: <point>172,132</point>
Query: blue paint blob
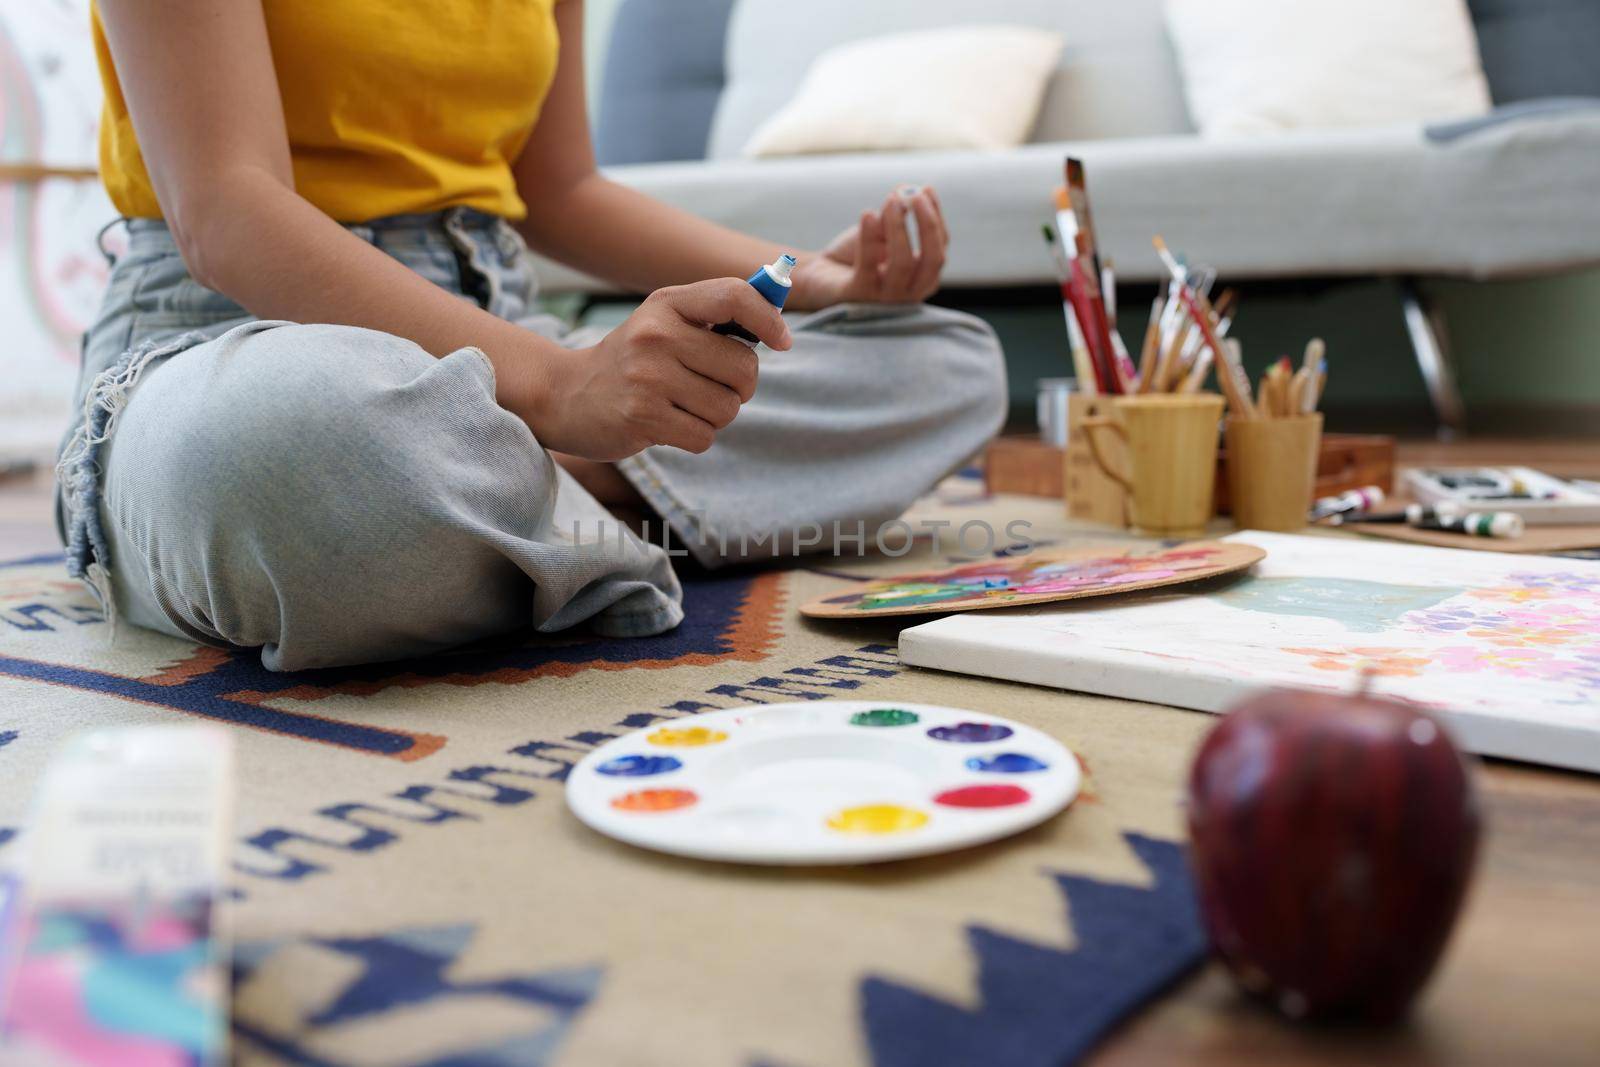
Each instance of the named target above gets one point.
<point>639,766</point>
<point>1006,763</point>
<point>970,732</point>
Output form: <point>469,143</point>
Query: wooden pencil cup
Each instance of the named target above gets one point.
<point>1171,442</point>
<point>1091,493</point>
<point>1272,470</point>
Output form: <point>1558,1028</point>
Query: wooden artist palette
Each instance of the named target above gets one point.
<point>1040,577</point>
<point>823,782</point>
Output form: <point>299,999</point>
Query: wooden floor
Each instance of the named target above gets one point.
<point>1517,987</point>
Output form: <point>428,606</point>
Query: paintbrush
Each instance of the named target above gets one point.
<point>1235,383</point>
<point>1108,287</point>
<point>1200,310</point>
<point>1197,374</point>
<point>1078,195</point>
<point>1165,366</point>
<point>1083,368</point>
<point>1054,248</point>
<point>1297,391</point>
<point>1083,300</point>
<point>1276,383</point>
<point>1315,350</point>
<point>1226,306</point>
<point>1152,343</point>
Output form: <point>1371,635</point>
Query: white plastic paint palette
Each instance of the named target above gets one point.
<point>825,782</point>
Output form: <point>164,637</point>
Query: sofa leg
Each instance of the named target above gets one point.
<point>1432,347</point>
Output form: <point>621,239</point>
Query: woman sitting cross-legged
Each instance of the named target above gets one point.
<point>320,413</point>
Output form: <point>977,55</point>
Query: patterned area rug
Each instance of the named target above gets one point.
<point>409,888</point>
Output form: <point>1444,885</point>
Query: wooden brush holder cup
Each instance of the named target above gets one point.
<point>1170,441</point>
<point>1092,495</point>
<point>1272,470</point>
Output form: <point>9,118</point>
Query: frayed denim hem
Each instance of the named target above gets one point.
<point>79,470</point>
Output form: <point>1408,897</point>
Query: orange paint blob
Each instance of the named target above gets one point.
<point>655,800</point>
<point>686,737</point>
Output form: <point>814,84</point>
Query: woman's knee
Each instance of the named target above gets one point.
<point>272,485</point>
<point>259,411</point>
<point>946,371</point>
<point>969,355</point>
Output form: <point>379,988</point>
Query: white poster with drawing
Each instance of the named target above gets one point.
<point>1506,648</point>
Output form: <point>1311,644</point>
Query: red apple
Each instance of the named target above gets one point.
<point>1333,839</point>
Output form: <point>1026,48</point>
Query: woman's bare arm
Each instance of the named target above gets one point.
<point>579,217</point>
<point>203,96</point>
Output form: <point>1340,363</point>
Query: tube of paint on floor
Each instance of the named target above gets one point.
<point>1363,499</point>
<point>1476,524</point>
<point>1410,514</point>
<point>773,283</point>
<point>114,948</point>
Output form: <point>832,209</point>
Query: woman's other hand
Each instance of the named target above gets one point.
<point>873,261</point>
<point>661,378</point>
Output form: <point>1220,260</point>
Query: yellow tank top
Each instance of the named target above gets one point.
<point>392,106</point>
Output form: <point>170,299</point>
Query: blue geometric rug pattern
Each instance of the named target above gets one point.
<point>1045,1007</point>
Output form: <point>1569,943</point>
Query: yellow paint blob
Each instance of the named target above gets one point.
<point>690,737</point>
<point>877,819</point>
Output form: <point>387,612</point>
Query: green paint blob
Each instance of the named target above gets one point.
<point>1355,603</point>
<point>884,717</point>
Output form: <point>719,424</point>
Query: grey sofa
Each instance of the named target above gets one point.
<point>686,81</point>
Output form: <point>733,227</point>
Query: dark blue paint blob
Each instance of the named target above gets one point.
<point>1006,763</point>
<point>639,766</point>
<point>970,732</point>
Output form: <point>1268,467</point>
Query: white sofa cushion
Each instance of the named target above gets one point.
<point>1262,66</point>
<point>974,87</point>
<point>1116,77</point>
<point>1510,198</point>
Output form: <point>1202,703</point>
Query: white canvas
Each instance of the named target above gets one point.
<point>1505,648</point>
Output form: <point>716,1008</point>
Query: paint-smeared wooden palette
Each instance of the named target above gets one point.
<point>1040,577</point>
<point>823,782</point>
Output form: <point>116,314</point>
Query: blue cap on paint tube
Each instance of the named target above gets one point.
<point>773,283</point>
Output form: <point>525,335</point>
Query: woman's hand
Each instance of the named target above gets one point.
<point>873,260</point>
<point>661,378</point>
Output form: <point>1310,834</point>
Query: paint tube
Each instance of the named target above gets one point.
<point>1476,524</point>
<point>1411,514</point>
<point>1363,499</point>
<point>112,944</point>
<point>773,283</point>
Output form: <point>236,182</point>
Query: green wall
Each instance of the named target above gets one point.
<point>1528,342</point>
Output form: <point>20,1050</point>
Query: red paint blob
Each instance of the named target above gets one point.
<point>983,796</point>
